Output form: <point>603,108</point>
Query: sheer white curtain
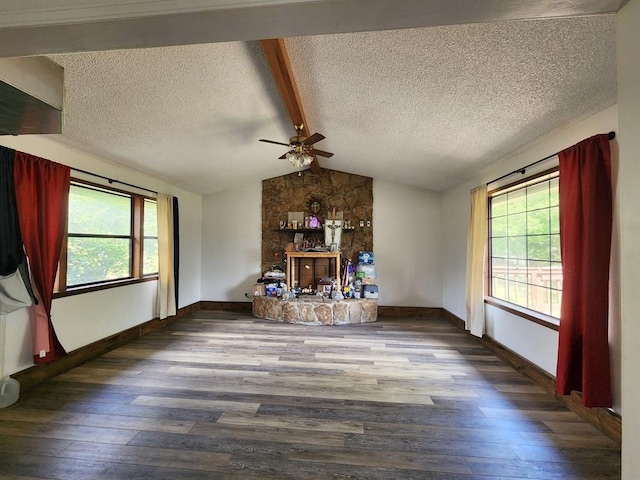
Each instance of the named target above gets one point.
<point>476,254</point>
<point>166,300</point>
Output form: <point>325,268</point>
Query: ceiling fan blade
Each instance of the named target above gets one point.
<point>322,153</point>
<point>283,156</point>
<point>271,141</point>
<point>316,137</point>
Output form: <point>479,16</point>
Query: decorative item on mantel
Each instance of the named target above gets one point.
<point>312,257</point>
<point>295,220</point>
<point>333,230</point>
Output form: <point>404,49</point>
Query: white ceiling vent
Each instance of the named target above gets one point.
<point>31,96</point>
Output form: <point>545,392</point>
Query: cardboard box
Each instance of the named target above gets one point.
<point>259,290</point>
<point>368,281</point>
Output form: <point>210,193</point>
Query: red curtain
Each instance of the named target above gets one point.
<point>585,242</point>
<point>42,195</point>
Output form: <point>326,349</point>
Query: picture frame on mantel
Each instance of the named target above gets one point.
<point>332,232</point>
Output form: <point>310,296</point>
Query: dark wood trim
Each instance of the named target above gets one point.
<point>523,180</point>
<point>453,319</point>
<point>540,321</point>
<point>427,312</point>
<point>109,187</point>
<point>61,275</point>
<point>276,53</point>
<point>39,373</point>
<point>105,286</point>
<point>244,307</point>
<point>605,419</point>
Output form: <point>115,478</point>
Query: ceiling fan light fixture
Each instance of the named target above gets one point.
<point>302,153</point>
<point>306,159</point>
<point>296,159</point>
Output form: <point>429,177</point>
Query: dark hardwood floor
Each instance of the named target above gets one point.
<point>224,396</point>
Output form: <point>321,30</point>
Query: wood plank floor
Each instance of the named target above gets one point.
<point>225,396</point>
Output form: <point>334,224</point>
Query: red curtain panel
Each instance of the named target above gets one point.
<point>42,195</point>
<point>585,242</point>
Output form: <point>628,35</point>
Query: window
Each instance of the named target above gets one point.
<point>99,236</point>
<point>112,236</point>
<point>524,245</point>
<point>150,232</point>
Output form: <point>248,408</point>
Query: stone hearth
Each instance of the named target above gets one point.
<point>316,310</point>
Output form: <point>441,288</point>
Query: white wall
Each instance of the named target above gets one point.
<point>531,341</point>
<point>629,200</point>
<point>231,243</point>
<point>85,318</point>
<point>534,342</point>
<point>406,234</point>
<point>190,213</point>
<point>135,304</point>
<point>407,244</point>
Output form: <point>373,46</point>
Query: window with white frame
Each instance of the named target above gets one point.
<point>524,245</point>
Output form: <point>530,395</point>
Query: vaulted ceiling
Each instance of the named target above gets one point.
<point>428,105</point>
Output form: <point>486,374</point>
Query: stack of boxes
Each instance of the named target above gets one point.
<point>366,273</point>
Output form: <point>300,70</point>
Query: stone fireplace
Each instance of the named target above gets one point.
<point>314,310</point>
<point>328,191</point>
<point>344,192</point>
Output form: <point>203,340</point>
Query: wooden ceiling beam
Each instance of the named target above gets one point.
<point>276,54</point>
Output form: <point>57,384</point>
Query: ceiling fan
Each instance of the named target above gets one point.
<point>302,151</point>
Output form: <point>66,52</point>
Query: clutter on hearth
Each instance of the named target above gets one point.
<point>360,282</point>
<point>317,238</point>
<point>357,281</point>
<point>272,283</point>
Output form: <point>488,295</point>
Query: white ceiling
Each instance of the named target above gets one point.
<point>425,106</point>
<point>432,106</point>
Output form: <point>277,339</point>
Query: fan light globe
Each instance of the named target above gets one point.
<point>306,160</point>
<point>298,160</point>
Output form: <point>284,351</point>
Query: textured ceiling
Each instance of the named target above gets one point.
<point>427,107</point>
<point>191,115</point>
<point>432,106</point>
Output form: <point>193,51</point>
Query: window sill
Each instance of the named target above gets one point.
<point>535,317</point>
<point>104,286</point>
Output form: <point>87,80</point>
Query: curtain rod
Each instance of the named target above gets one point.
<point>111,180</point>
<point>523,170</point>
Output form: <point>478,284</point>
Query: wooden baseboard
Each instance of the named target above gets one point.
<point>244,307</point>
<point>391,311</point>
<point>603,419</point>
<point>453,319</point>
<point>39,373</point>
